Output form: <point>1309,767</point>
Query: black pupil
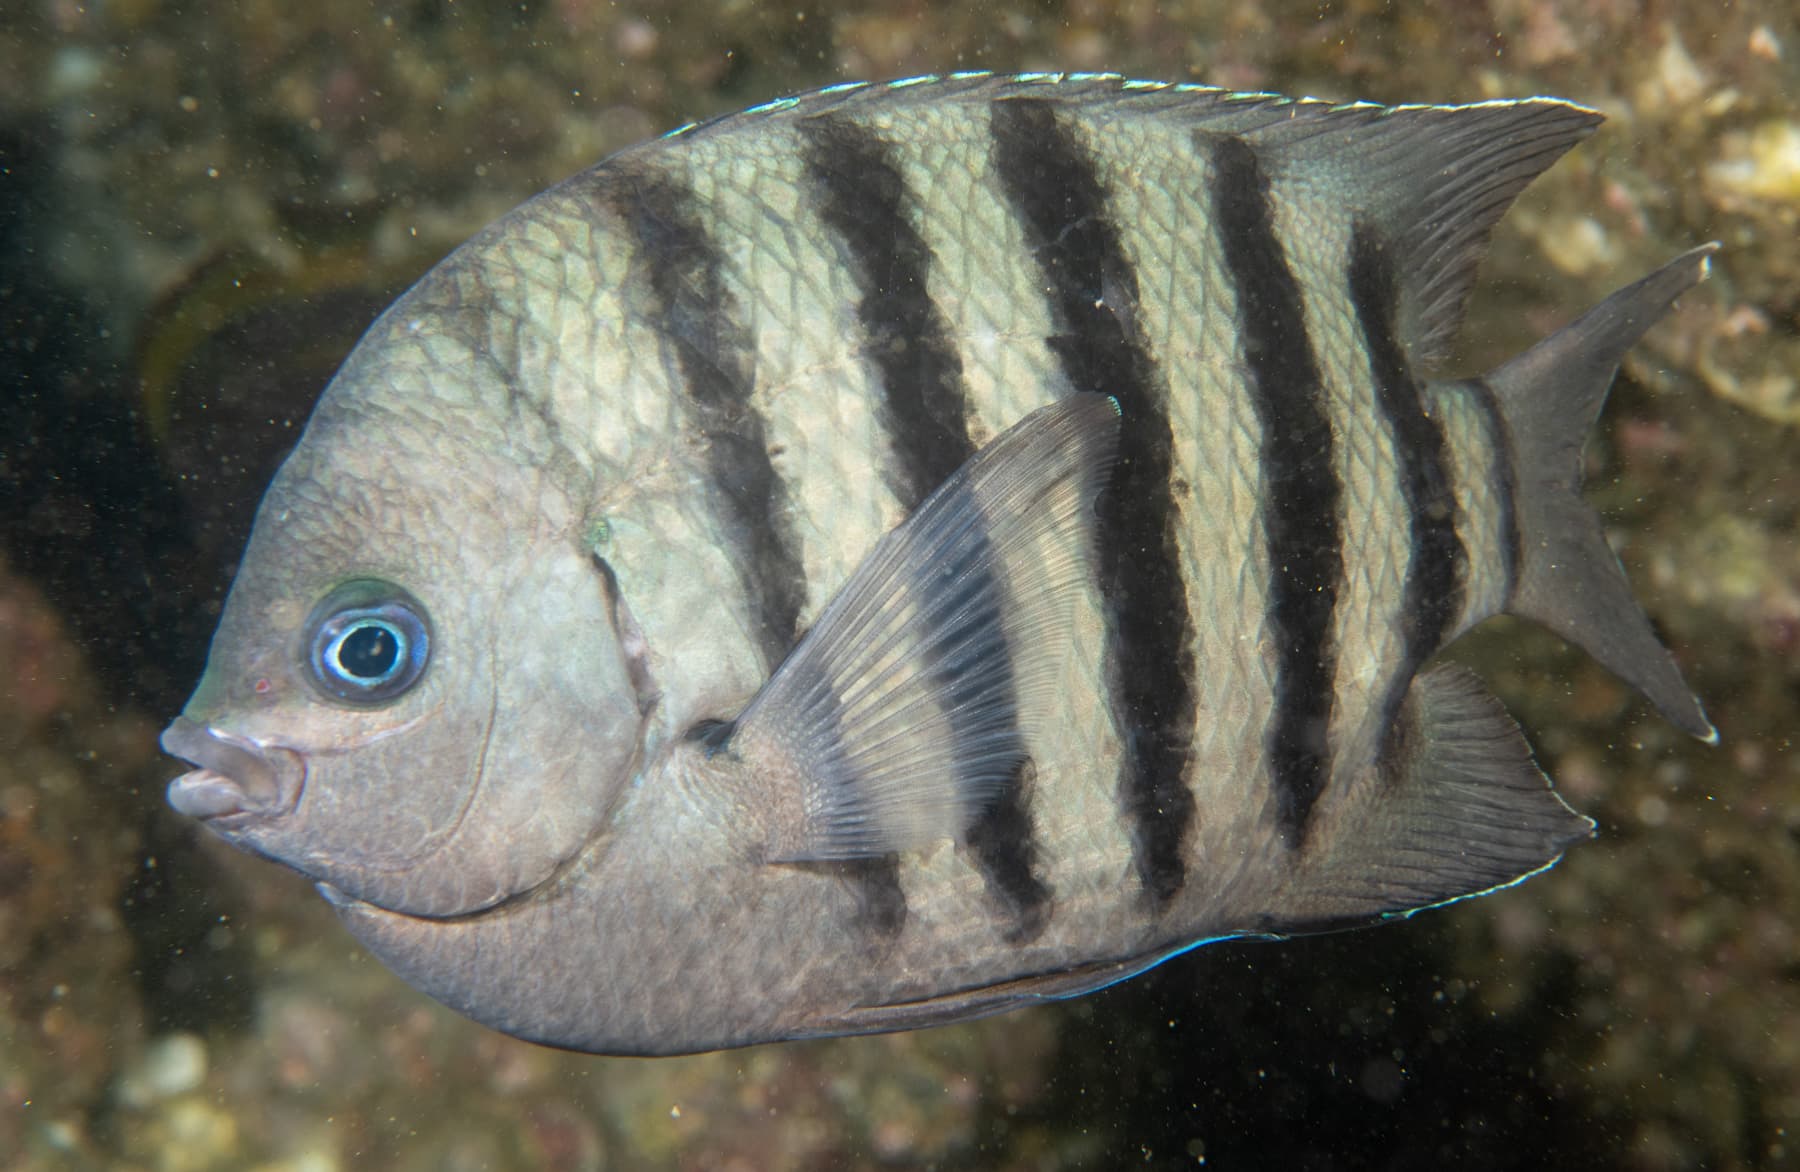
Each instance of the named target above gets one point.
<point>368,653</point>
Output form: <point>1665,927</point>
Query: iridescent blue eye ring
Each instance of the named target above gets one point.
<point>369,642</point>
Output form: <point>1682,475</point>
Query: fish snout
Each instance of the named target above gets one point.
<point>233,775</point>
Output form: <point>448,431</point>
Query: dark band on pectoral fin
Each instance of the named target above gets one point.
<point>1000,839</point>
<point>1301,490</point>
<point>895,722</point>
<point>1054,187</point>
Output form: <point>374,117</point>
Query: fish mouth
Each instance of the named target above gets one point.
<point>236,779</point>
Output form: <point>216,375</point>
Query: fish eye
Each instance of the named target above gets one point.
<point>369,642</point>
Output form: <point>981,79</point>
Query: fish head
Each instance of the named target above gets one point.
<point>416,694</point>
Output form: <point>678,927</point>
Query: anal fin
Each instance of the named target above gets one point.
<point>961,1005</point>
<point>1455,807</point>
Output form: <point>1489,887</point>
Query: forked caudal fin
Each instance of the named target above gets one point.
<point>1568,578</point>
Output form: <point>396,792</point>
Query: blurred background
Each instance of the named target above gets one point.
<point>203,204</point>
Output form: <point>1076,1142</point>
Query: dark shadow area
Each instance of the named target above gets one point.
<point>1358,1050</point>
<point>94,520</point>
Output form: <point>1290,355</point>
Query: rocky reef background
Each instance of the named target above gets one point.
<point>202,204</point>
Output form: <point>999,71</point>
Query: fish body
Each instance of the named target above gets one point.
<point>909,551</point>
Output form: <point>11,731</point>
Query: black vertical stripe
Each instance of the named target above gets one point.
<point>701,327</point>
<point>1433,594</point>
<point>863,197</point>
<point>1000,839</point>
<point>1054,189</point>
<point>874,881</point>
<point>881,899</point>
<point>1506,482</point>
<point>995,839</point>
<point>1301,490</point>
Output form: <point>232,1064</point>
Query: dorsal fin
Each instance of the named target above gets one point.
<point>1433,181</point>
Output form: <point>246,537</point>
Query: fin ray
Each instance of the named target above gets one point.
<point>1434,181</point>
<point>1455,808</point>
<point>1569,579</point>
<point>896,719</point>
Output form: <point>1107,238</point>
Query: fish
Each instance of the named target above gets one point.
<point>915,550</point>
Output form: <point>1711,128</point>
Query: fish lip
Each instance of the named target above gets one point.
<point>236,780</point>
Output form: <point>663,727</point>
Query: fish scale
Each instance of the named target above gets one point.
<point>812,387</point>
<point>1301,490</point>
<point>802,393</point>
<point>1225,595</point>
<point>1370,612</point>
<point>870,205</point>
<point>912,551</point>
<point>1473,457</point>
<point>960,215</point>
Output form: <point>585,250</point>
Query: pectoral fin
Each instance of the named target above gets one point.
<point>898,716</point>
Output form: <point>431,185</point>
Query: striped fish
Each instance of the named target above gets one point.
<point>910,551</point>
